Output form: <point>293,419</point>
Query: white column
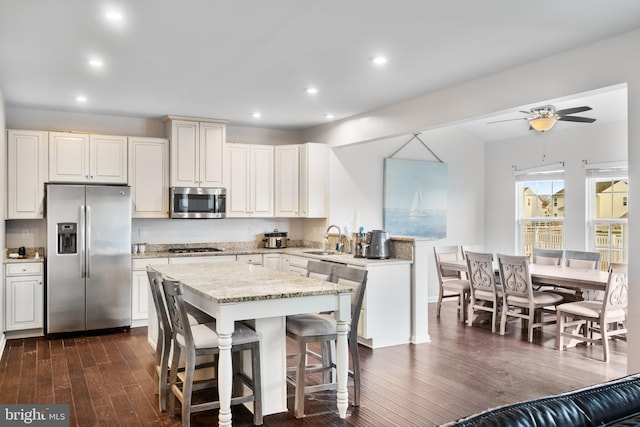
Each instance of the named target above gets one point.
<point>422,249</point>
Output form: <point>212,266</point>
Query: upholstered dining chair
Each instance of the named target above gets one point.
<point>587,260</point>
<point>485,294</point>
<point>519,298</point>
<point>201,340</point>
<point>451,283</point>
<point>322,328</point>
<point>163,339</point>
<point>602,317</point>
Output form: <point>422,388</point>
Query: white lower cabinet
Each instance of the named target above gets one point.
<point>142,309</point>
<point>385,319</point>
<point>297,265</point>
<point>24,297</point>
<point>273,261</point>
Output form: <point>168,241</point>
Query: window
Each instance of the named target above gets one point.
<point>540,210</point>
<point>607,212</point>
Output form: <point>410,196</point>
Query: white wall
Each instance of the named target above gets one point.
<point>3,186</point>
<point>357,179</point>
<point>594,144</point>
<point>602,64</point>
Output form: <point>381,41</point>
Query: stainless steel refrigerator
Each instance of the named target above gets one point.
<point>88,257</point>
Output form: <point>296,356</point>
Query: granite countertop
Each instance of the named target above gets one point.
<point>299,251</point>
<point>229,282</point>
<point>29,256</point>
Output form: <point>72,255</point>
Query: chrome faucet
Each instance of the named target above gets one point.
<point>326,233</point>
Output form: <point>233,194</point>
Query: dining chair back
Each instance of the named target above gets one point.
<point>201,340</point>
<point>322,328</point>
<point>451,283</point>
<point>582,259</point>
<point>485,295</point>
<point>547,256</point>
<point>606,318</point>
<point>320,270</point>
<point>519,298</point>
<point>163,339</point>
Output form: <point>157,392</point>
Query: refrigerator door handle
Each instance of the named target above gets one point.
<point>82,241</point>
<point>88,242</point>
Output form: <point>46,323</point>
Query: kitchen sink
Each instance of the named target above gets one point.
<point>321,252</point>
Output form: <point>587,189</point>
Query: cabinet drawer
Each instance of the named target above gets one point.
<point>22,269</point>
<point>255,259</point>
<point>298,261</point>
<point>141,264</point>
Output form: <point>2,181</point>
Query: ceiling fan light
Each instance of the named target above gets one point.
<point>542,124</point>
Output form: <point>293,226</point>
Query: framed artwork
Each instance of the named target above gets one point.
<point>415,198</point>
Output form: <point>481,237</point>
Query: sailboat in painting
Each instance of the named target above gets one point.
<point>417,205</point>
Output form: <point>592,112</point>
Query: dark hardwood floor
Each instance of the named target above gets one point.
<point>107,379</point>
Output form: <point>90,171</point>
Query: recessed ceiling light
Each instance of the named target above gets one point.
<point>96,62</point>
<point>81,98</point>
<point>256,115</point>
<point>379,60</point>
<point>329,116</point>
<point>311,90</point>
<point>114,16</point>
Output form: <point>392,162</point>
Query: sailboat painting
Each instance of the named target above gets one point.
<point>415,198</point>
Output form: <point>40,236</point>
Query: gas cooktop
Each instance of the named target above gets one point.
<point>192,250</point>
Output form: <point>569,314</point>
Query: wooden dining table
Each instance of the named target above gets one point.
<point>557,275</point>
<point>233,291</point>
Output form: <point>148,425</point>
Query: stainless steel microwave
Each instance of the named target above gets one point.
<point>197,202</point>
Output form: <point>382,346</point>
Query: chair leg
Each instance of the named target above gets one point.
<point>173,377</point>
<point>326,361</point>
<point>164,367</point>
<point>256,374</point>
<point>464,300</point>
<point>355,360</point>
<point>440,292</point>
<point>298,407</point>
<point>187,389</point>
<point>559,330</point>
<point>494,318</point>
<point>503,321</point>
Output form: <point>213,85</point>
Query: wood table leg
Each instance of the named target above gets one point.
<point>225,375</point>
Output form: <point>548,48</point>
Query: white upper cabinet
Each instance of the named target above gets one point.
<point>249,180</point>
<point>99,159</point>
<point>314,180</point>
<point>26,173</point>
<point>287,177</point>
<point>149,177</point>
<point>196,152</point>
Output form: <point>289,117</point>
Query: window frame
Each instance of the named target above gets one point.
<point>604,172</point>
<point>553,172</point>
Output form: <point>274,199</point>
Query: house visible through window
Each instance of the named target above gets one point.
<point>607,213</point>
<point>540,210</point>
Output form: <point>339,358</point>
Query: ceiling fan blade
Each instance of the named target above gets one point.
<point>572,110</point>
<point>508,120</point>
<point>576,119</point>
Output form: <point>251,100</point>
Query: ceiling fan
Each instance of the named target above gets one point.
<point>542,119</point>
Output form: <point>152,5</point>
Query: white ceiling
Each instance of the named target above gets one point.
<point>226,59</point>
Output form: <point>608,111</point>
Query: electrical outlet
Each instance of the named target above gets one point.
<point>140,232</point>
<point>25,234</point>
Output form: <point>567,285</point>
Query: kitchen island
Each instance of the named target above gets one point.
<point>233,291</point>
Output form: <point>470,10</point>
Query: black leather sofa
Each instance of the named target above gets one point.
<point>614,403</point>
